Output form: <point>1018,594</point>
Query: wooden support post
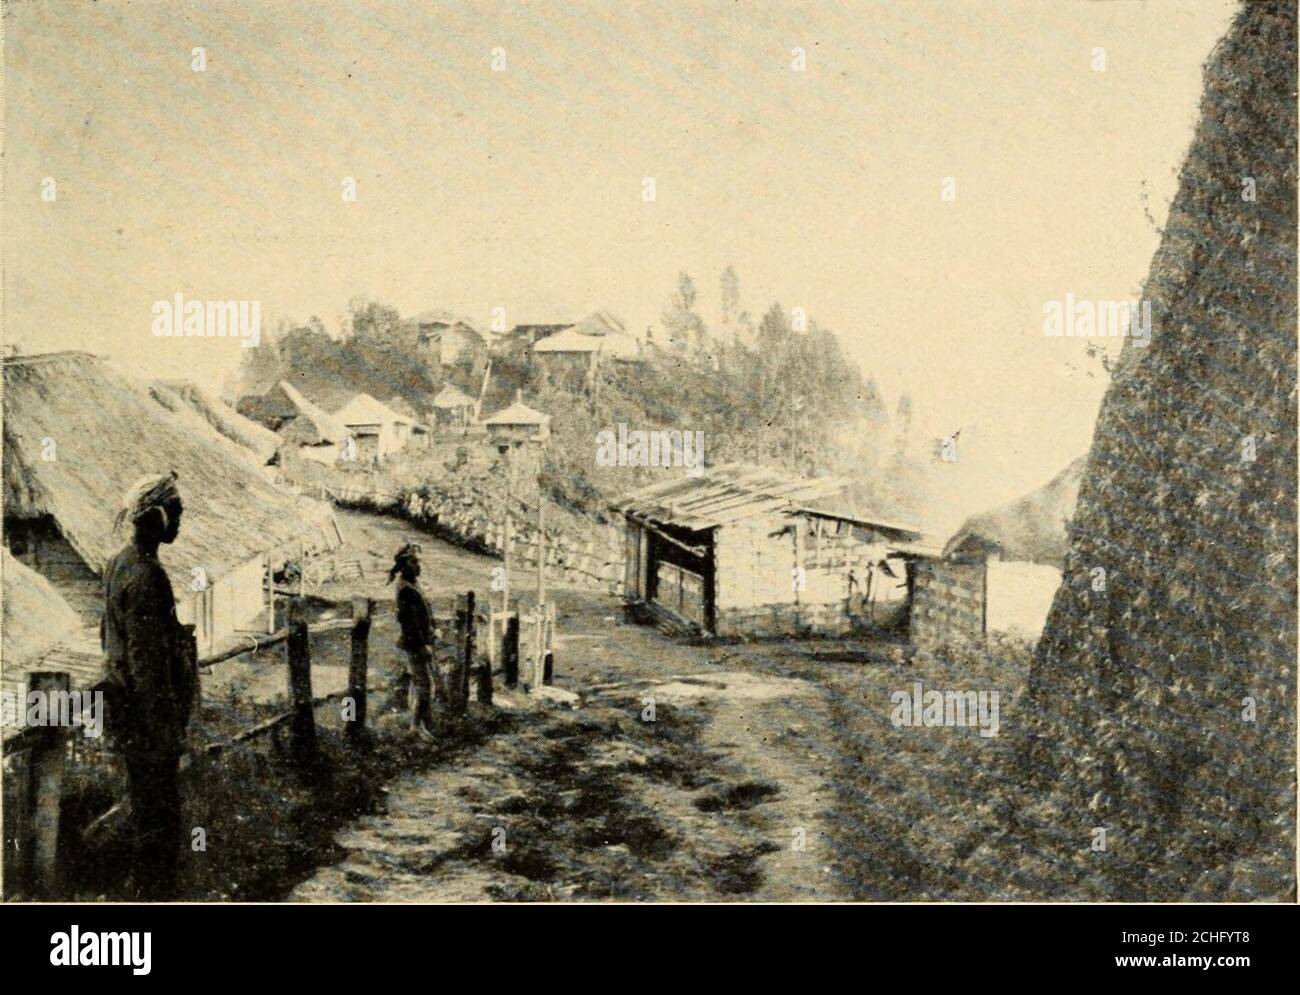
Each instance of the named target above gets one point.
<point>539,647</point>
<point>46,785</point>
<point>467,664</point>
<point>303,725</point>
<point>457,681</point>
<point>270,597</point>
<point>541,548</point>
<point>484,682</point>
<point>505,593</point>
<point>16,867</point>
<point>510,650</point>
<point>361,611</point>
<point>548,644</point>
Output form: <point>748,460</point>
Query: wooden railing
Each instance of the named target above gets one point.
<point>35,758</point>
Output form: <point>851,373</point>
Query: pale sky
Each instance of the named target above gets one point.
<point>523,189</point>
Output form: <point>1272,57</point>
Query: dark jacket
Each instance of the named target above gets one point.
<point>414,617</point>
<point>147,664</point>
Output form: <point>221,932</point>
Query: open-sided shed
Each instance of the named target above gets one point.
<point>748,551</point>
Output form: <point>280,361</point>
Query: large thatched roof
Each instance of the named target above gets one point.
<point>36,618</point>
<point>106,431</point>
<point>1032,528</point>
<point>175,395</point>
<point>312,425</point>
<point>41,631</point>
<point>452,396</point>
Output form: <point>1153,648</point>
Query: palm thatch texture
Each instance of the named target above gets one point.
<point>176,394</point>
<point>78,433</point>
<point>311,424</point>
<point>41,631</point>
<point>36,618</point>
<point>1031,529</point>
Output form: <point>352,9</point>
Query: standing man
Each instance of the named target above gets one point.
<point>151,667</point>
<point>416,622</point>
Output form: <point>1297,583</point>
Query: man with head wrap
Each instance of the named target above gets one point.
<point>152,672</point>
<point>415,620</point>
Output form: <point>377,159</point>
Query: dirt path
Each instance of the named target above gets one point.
<point>722,795</point>
<point>713,795</point>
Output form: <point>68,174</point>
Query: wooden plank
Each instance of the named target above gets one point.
<point>46,786</point>
<point>362,609</point>
<point>298,650</point>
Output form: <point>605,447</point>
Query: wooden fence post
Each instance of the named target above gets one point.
<point>485,680</point>
<point>361,611</point>
<point>510,650</point>
<point>468,662</point>
<point>546,662</point>
<point>548,646</point>
<point>303,726</point>
<point>46,785</point>
<point>270,597</point>
<point>458,681</point>
<point>16,868</point>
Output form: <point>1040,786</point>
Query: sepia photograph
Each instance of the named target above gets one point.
<point>690,452</point>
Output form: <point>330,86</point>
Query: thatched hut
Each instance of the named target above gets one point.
<point>453,408</point>
<point>77,433</point>
<point>1031,529</point>
<point>309,424</point>
<point>40,631</point>
<point>579,349</point>
<point>1000,571</point>
<point>376,429</point>
<point>518,424</point>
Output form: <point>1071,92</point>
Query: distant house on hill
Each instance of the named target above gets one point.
<point>306,427</point>
<point>749,551</point>
<point>1000,571</point>
<point>78,433</point>
<point>580,348</point>
<point>530,334</point>
<point>518,423</point>
<point>375,428</point>
<point>445,337</point>
<point>452,407</point>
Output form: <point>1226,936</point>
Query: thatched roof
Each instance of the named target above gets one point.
<point>600,332</point>
<point>436,319</point>
<point>41,631</point>
<point>1031,529</point>
<point>173,394</point>
<point>312,425</point>
<point>36,618</point>
<point>452,396</point>
<point>366,410</point>
<point>518,413</point>
<point>107,431</point>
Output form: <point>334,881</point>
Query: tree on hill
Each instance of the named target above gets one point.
<point>683,325</point>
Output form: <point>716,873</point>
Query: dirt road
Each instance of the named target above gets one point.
<point>679,777</point>
<point>765,771</point>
